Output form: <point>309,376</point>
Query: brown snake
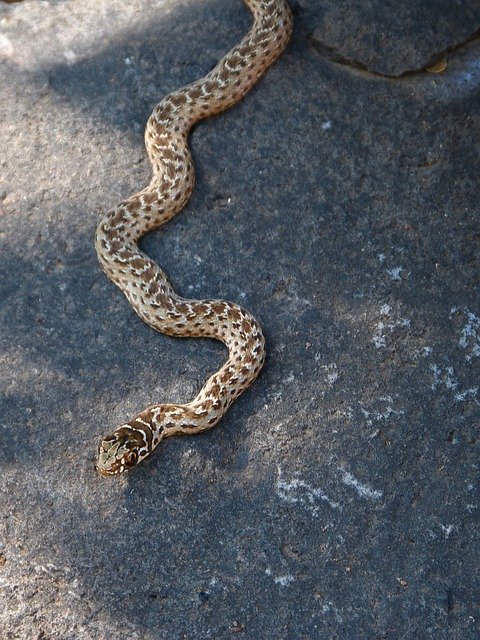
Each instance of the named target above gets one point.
<point>146,285</point>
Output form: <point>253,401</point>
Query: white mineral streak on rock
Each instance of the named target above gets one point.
<point>444,377</point>
<point>284,580</point>
<point>383,413</point>
<point>297,491</point>
<point>386,327</point>
<point>395,273</point>
<point>468,393</point>
<point>330,608</point>
<point>331,373</point>
<point>363,490</point>
<point>470,335</point>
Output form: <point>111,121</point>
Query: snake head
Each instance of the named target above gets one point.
<point>121,450</point>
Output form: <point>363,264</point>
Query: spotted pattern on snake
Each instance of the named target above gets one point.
<point>142,281</point>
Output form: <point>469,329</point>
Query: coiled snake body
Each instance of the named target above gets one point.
<point>146,285</point>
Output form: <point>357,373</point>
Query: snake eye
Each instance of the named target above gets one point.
<point>131,457</point>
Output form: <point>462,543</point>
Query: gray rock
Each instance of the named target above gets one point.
<point>336,499</point>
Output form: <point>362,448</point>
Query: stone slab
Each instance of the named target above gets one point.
<point>337,499</point>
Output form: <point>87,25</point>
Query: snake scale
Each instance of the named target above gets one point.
<point>142,281</point>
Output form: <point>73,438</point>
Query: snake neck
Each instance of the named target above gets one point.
<point>245,361</point>
<point>224,321</point>
<point>202,413</point>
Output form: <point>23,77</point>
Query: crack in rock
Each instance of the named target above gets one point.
<point>332,53</point>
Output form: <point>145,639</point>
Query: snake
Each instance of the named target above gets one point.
<point>146,285</point>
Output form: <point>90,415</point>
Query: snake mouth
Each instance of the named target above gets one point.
<point>104,470</point>
<point>105,473</point>
<point>106,466</point>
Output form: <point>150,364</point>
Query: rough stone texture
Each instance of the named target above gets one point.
<point>337,498</point>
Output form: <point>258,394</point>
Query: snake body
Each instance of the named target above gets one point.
<point>146,285</point>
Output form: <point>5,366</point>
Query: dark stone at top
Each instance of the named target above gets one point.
<point>389,37</point>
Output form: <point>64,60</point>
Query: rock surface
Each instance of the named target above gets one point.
<point>337,499</point>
